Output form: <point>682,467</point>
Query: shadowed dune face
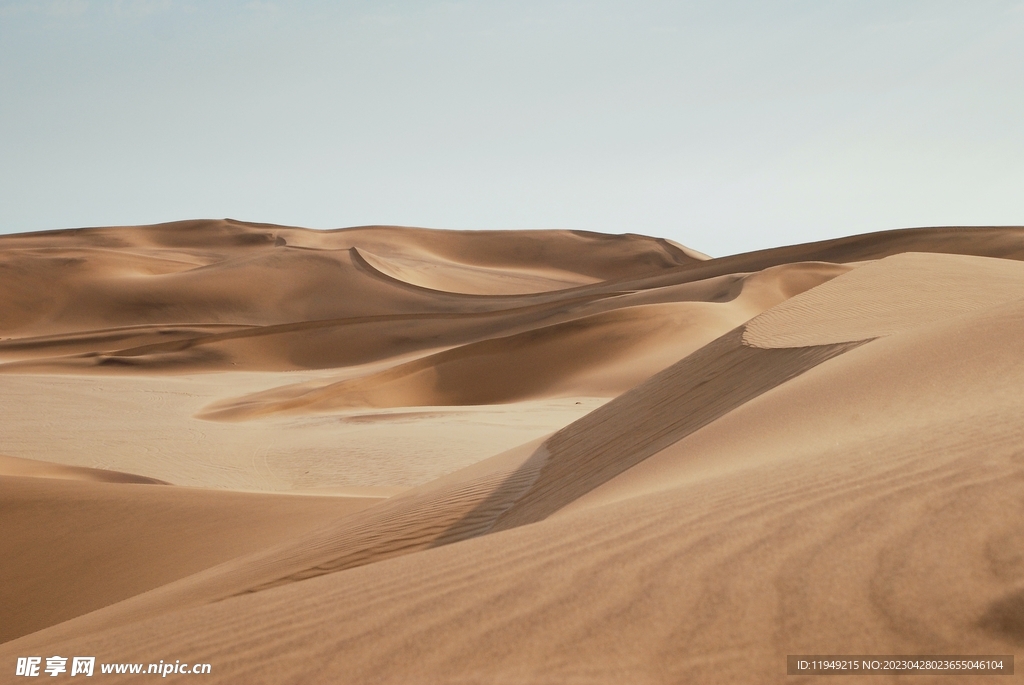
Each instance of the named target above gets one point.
<point>554,456</point>
<point>84,543</point>
<point>12,466</point>
<point>1005,618</point>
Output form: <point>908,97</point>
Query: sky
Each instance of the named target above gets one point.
<point>725,125</point>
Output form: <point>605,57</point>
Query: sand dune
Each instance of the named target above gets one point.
<point>894,294</point>
<point>354,340</point>
<point>91,540</point>
<point>30,468</point>
<point>595,459</point>
<point>231,272</point>
<point>631,337</point>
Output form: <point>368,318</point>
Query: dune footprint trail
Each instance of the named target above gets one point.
<point>832,454</point>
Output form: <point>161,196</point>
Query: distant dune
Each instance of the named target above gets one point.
<point>401,455</point>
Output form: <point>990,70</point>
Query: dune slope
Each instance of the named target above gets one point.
<point>90,540</point>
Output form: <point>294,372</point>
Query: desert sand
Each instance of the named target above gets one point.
<point>400,455</point>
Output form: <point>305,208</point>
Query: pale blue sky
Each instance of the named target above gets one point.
<point>725,125</point>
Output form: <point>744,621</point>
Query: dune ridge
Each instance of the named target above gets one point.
<point>31,468</point>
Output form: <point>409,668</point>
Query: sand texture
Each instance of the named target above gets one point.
<point>400,455</point>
